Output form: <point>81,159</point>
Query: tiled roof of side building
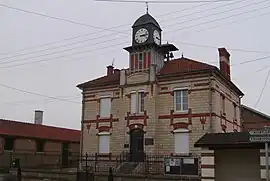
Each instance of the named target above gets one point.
<point>30,130</point>
<point>176,66</point>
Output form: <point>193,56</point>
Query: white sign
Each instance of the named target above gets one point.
<point>260,139</point>
<point>260,132</point>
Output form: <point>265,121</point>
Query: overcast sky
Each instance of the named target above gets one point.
<point>85,47</point>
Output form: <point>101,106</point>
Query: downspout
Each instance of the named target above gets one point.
<point>82,126</point>
<point>241,115</point>
<point>210,103</point>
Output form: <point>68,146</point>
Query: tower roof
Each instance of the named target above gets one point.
<point>146,19</point>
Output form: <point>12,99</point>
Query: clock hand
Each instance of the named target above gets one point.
<point>143,35</point>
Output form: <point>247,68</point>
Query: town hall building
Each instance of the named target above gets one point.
<point>158,105</point>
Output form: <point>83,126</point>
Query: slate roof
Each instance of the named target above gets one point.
<point>176,66</point>
<point>29,130</point>
<point>146,19</point>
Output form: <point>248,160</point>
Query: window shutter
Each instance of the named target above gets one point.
<point>104,143</point>
<point>105,107</point>
<point>133,98</point>
<point>181,142</point>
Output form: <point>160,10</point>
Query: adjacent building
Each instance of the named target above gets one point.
<point>253,119</point>
<point>37,144</point>
<point>158,105</point>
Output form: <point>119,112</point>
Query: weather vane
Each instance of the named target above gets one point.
<point>146,7</point>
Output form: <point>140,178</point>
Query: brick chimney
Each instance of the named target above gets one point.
<point>38,117</point>
<point>110,70</point>
<point>224,62</point>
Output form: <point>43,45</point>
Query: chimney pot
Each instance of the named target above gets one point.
<point>224,62</point>
<point>110,70</point>
<point>116,71</point>
<point>38,117</point>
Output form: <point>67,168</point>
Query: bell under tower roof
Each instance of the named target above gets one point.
<point>146,19</point>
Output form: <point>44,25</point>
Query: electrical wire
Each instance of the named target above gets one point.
<point>262,91</point>
<point>162,2</point>
<point>220,12</point>
<point>57,18</point>
<point>92,33</point>
<point>124,30</point>
<point>114,39</point>
<point>111,33</point>
<point>37,94</point>
<point>206,22</point>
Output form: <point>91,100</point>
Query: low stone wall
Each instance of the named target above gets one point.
<point>64,175</point>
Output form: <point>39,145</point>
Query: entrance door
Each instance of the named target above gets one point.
<point>137,145</point>
<point>65,154</point>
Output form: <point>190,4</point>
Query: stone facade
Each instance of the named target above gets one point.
<point>204,101</point>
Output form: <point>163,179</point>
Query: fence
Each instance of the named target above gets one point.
<point>39,160</point>
<point>150,164</point>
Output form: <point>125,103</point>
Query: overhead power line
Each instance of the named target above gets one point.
<point>163,2</point>
<point>92,33</point>
<point>206,22</point>
<point>53,53</point>
<point>37,94</point>
<point>262,91</point>
<point>57,18</point>
<point>63,56</point>
<point>101,37</point>
<point>220,12</point>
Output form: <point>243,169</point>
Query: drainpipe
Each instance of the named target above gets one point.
<point>82,126</point>
<point>210,103</point>
<point>241,115</point>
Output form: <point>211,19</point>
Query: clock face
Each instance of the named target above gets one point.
<point>156,37</point>
<point>141,35</point>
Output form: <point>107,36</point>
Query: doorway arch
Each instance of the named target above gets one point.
<point>136,145</point>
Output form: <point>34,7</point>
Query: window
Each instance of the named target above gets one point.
<point>133,98</point>
<point>9,144</point>
<point>222,102</point>
<point>105,107</point>
<point>40,146</point>
<point>141,102</point>
<point>181,141</point>
<point>181,100</point>
<point>137,102</point>
<point>234,111</point>
<point>104,142</point>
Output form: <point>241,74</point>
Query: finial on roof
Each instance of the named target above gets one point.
<point>146,7</point>
<point>167,42</point>
<point>182,55</point>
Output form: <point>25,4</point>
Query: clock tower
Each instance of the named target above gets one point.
<point>147,49</point>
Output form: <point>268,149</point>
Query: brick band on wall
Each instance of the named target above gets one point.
<point>208,165</point>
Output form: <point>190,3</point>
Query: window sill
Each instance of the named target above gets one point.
<point>137,114</point>
<point>181,112</point>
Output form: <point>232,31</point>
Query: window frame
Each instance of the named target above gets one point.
<point>108,134</point>
<point>100,106</point>
<point>174,99</point>
<point>138,102</point>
